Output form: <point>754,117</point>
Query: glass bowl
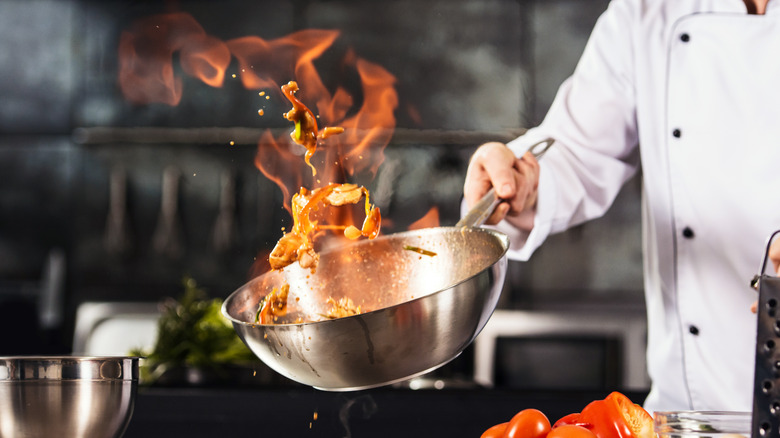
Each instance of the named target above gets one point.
<point>700,424</point>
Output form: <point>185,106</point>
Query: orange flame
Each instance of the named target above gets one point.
<point>276,161</point>
<point>367,131</point>
<point>205,58</point>
<point>431,219</point>
<point>268,64</point>
<point>261,265</point>
<point>146,72</point>
<point>146,75</point>
<point>372,127</point>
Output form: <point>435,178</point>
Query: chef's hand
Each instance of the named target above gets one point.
<point>774,256</point>
<point>516,181</point>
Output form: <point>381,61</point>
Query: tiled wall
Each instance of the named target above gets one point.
<point>467,71</point>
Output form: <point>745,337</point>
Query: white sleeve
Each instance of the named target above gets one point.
<point>593,122</point>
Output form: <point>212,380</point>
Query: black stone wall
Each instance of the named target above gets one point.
<point>467,71</point>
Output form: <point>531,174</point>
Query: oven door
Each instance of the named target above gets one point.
<point>590,350</point>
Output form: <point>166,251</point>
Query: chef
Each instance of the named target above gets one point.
<point>689,90</point>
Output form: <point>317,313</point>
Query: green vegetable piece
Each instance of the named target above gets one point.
<point>298,134</point>
<point>419,250</point>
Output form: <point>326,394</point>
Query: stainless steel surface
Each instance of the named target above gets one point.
<point>66,396</point>
<point>766,386</point>
<point>224,234</point>
<point>420,311</point>
<point>481,211</point>
<point>168,239</point>
<point>117,238</point>
<point>556,327</point>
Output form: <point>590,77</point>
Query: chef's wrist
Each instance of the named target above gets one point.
<point>523,221</point>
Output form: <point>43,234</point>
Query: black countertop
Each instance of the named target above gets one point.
<point>303,412</point>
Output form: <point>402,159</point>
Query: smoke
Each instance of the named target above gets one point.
<point>365,405</point>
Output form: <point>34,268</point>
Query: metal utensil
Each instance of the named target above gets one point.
<point>66,396</point>
<point>419,311</point>
<point>167,238</point>
<point>224,234</point>
<point>117,239</point>
<point>766,387</point>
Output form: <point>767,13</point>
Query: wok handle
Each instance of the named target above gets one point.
<point>485,206</point>
<point>481,210</point>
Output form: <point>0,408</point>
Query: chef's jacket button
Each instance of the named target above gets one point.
<point>692,329</point>
<point>687,232</point>
<point>685,37</point>
<point>677,133</point>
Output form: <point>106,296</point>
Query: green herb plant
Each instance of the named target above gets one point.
<point>192,332</point>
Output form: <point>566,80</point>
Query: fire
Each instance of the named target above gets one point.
<point>146,71</point>
<point>372,125</point>
<point>146,53</point>
<point>268,64</point>
<point>431,219</point>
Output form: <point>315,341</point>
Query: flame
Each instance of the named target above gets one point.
<point>146,54</point>
<point>268,64</point>
<point>205,58</point>
<point>372,127</point>
<point>368,130</point>
<point>275,159</point>
<point>261,265</point>
<point>146,71</point>
<point>147,75</point>
<point>429,220</point>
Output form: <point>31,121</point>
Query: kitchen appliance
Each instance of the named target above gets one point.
<point>766,387</point>
<point>73,396</point>
<point>529,349</point>
<point>428,293</point>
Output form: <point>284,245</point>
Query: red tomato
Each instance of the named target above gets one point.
<point>528,423</point>
<point>496,431</point>
<point>639,420</point>
<point>570,419</point>
<point>617,417</point>
<point>570,431</point>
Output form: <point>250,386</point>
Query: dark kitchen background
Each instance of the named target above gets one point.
<point>103,200</point>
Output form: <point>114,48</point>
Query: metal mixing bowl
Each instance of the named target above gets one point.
<point>419,311</point>
<point>66,396</point>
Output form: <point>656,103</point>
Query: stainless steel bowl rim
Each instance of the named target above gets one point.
<point>59,368</point>
<point>496,233</point>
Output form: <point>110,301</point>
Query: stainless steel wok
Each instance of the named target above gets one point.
<point>419,311</point>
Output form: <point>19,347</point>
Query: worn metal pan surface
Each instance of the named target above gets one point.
<point>418,311</point>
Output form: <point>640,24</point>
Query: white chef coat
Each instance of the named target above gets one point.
<point>692,88</point>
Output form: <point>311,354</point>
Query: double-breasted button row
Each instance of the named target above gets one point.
<point>684,37</point>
